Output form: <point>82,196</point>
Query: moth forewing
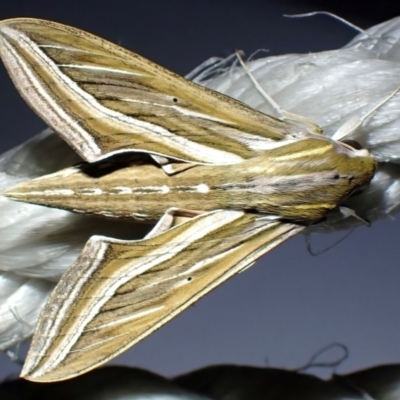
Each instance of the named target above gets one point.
<point>118,292</point>
<point>103,99</point>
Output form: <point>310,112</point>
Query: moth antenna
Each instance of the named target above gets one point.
<point>311,251</point>
<point>283,114</point>
<point>348,212</point>
<point>352,124</point>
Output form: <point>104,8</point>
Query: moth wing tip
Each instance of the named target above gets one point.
<point>30,373</point>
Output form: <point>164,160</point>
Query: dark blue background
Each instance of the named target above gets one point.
<point>289,304</point>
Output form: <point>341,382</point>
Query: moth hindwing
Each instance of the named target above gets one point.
<point>238,183</point>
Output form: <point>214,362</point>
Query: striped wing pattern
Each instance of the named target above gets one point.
<point>118,292</point>
<point>103,99</point>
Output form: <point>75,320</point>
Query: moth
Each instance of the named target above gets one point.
<point>224,183</point>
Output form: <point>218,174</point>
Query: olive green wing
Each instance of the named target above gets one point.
<point>103,99</point>
<point>118,292</point>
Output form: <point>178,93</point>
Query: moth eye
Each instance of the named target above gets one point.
<point>189,278</point>
<point>353,143</point>
<point>336,176</point>
<point>175,100</point>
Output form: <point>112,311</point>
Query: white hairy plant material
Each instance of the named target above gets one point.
<point>331,88</point>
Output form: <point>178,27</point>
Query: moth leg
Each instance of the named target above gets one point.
<point>246,267</point>
<point>312,127</point>
<point>348,212</point>
<point>160,159</point>
<point>355,122</point>
<point>172,217</point>
<point>171,167</point>
<point>174,168</point>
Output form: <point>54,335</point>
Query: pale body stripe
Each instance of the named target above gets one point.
<point>140,216</point>
<point>52,192</point>
<point>202,188</point>
<point>107,214</point>
<point>90,191</point>
<point>265,185</point>
<point>106,290</point>
<point>140,190</point>
<point>121,190</point>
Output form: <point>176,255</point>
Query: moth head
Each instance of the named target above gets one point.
<point>352,149</point>
<point>356,148</point>
<point>362,162</point>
